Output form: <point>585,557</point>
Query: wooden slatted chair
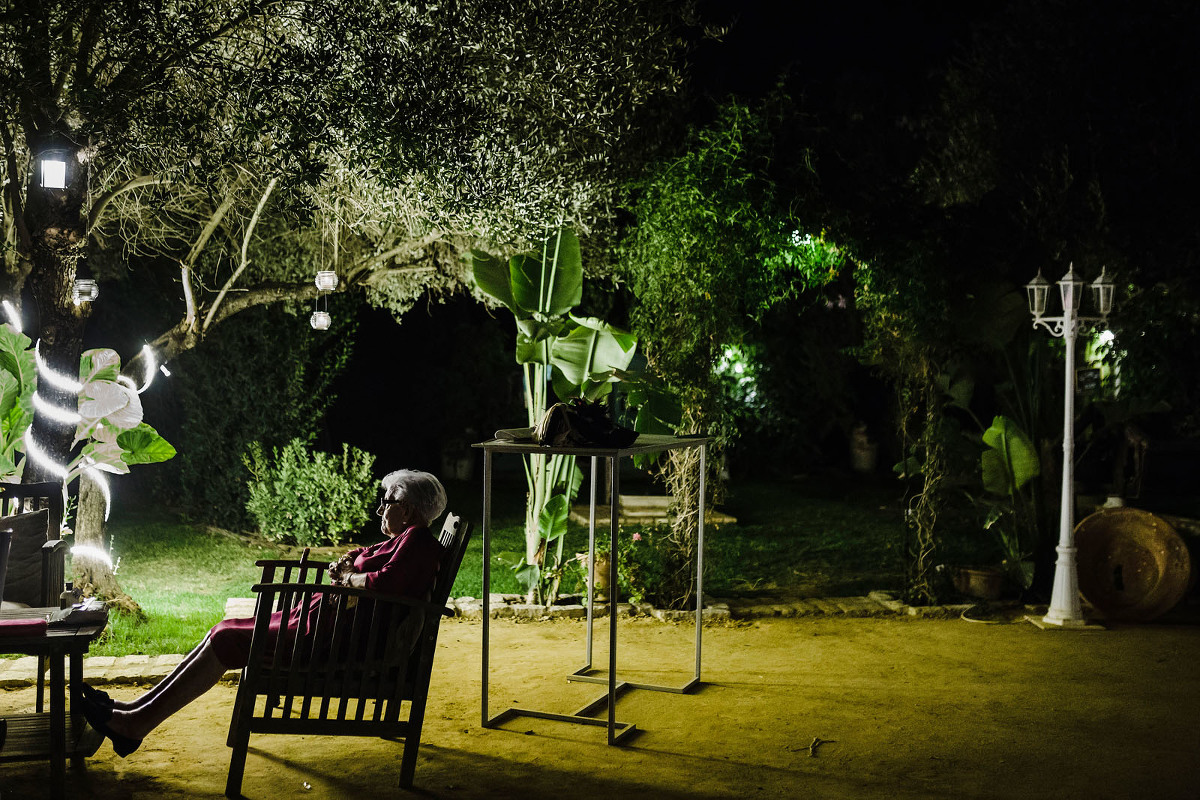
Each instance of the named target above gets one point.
<point>37,559</point>
<point>338,679</point>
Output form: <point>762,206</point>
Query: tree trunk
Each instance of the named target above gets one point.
<point>59,245</point>
<point>93,573</point>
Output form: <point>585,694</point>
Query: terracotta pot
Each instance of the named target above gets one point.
<point>602,565</point>
<point>986,583</point>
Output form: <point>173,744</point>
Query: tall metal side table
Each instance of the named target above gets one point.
<point>643,445</point>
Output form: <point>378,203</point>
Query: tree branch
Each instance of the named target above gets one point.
<point>363,270</point>
<point>189,299</point>
<point>177,54</point>
<point>12,192</point>
<point>103,200</point>
<point>262,202</point>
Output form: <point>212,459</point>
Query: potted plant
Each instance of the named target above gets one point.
<point>1008,463</point>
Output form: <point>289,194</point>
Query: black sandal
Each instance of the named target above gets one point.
<point>98,716</point>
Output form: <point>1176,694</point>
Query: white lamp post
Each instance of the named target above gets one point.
<point>1065,611</point>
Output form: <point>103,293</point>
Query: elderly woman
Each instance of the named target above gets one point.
<point>404,564</point>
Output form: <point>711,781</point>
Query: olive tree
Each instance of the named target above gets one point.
<point>246,143</point>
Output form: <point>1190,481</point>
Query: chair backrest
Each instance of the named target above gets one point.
<point>453,538</point>
<point>18,497</point>
<point>35,571</point>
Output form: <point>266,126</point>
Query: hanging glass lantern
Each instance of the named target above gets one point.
<point>53,153</point>
<point>320,320</point>
<point>85,290</point>
<point>327,280</point>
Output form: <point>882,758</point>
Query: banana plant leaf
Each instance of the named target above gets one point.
<point>549,283</point>
<point>492,277</point>
<point>589,347</point>
<point>527,574</point>
<point>533,340</point>
<point>1010,460</point>
<point>552,522</point>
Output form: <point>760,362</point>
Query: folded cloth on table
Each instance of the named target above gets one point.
<point>22,627</point>
<point>515,434</point>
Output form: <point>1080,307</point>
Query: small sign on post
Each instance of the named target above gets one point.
<point>1087,381</point>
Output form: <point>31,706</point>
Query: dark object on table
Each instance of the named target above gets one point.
<point>1132,564</point>
<point>581,423</point>
<point>356,683</point>
<point>89,612</point>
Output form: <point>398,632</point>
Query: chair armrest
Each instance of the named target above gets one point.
<point>286,562</point>
<point>310,572</point>
<point>54,567</point>
<point>349,591</point>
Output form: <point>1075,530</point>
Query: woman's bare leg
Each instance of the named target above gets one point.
<point>198,673</point>
<point>148,696</point>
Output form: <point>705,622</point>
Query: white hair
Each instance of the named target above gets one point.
<point>421,490</point>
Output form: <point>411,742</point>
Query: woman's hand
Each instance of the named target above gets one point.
<point>341,570</point>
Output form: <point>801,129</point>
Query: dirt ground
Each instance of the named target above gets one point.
<point>908,708</point>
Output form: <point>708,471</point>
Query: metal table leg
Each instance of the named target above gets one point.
<point>487,574</point>
<point>582,673</point>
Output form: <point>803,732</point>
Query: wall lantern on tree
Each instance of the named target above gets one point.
<point>54,158</point>
<point>1065,610</point>
<point>52,166</point>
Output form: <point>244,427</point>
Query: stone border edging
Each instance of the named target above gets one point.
<point>878,603</point>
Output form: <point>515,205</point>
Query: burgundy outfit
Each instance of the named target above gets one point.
<point>404,565</point>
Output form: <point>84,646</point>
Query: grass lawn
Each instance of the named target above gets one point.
<point>817,537</point>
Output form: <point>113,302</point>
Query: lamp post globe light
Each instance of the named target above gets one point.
<point>1065,610</point>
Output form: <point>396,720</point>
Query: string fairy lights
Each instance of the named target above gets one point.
<point>40,457</point>
<point>52,376</point>
<point>90,551</point>
<point>56,413</point>
<point>14,316</point>
<point>102,483</point>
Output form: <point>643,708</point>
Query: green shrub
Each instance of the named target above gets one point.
<point>309,497</point>
<point>259,376</point>
<point>644,564</point>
